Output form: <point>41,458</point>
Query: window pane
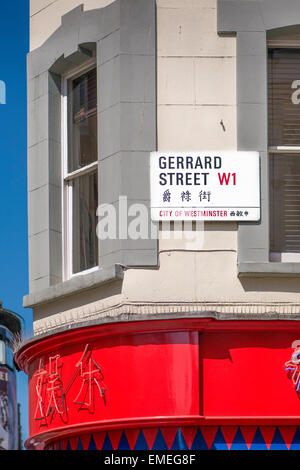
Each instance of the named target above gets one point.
<point>285,203</point>
<point>85,203</point>
<point>82,120</point>
<point>284,113</point>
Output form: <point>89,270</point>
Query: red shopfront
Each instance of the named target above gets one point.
<point>169,384</point>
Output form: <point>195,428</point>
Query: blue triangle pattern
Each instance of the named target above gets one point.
<point>179,442</point>
<point>278,442</point>
<point>107,445</point>
<point>219,442</point>
<point>239,442</point>
<point>296,441</point>
<point>92,444</point>
<point>124,444</point>
<point>258,442</point>
<point>69,446</point>
<point>199,442</point>
<point>141,443</point>
<point>160,443</point>
<point>79,445</point>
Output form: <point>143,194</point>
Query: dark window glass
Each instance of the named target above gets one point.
<point>82,120</point>
<point>85,203</point>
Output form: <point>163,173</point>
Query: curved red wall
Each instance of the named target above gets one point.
<point>160,373</point>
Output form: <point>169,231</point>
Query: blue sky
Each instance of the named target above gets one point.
<point>14,32</point>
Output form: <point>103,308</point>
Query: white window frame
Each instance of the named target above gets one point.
<point>284,257</point>
<point>67,178</point>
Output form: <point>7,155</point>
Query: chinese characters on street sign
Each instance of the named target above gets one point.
<point>205,186</point>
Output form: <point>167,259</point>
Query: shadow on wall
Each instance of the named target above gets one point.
<point>280,284</point>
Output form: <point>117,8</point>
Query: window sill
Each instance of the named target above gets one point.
<point>271,269</point>
<point>75,285</point>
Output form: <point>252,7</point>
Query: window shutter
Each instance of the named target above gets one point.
<point>284,130</point>
<point>284,115</point>
<point>285,203</point>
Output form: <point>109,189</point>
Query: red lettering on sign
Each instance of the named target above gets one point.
<point>225,177</point>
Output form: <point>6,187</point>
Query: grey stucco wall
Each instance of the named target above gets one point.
<point>251,20</point>
<point>124,36</point>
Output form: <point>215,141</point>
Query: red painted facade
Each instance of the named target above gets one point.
<point>160,374</point>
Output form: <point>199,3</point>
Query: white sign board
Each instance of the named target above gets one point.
<point>217,186</point>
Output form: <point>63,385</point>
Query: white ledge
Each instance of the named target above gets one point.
<point>74,286</point>
<point>270,269</point>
